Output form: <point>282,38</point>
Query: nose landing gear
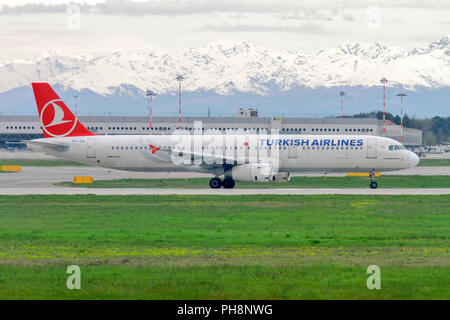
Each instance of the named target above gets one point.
<point>373,183</point>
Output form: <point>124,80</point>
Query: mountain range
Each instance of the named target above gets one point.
<point>225,75</point>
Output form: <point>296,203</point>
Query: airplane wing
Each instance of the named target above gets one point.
<point>215,160</point>
<point>253,169</point>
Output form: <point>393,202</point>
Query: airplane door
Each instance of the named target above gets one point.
<point>292,152</point>
<point>90,148</point>
<point>371,148</point>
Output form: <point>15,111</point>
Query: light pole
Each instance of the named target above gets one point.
<point>342,94</point>
<point>75,97</point>
<point>150,95</point>
<point>401,95</point>
<point>384,81</point>
<point>179,79</point>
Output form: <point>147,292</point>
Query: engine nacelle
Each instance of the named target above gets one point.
<point>258,172</point>
<point>281,177</point>
<point>252,172</point>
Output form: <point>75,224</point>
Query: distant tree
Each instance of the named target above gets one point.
<point>406,120</point>
<point>380,115</point>
<point>362,115</point>
<point>441,128</point>
<point>388,116</point>
<point>435,130</point>
<point>429,139</point>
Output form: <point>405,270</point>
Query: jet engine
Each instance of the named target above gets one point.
<point>281,177</point>
<point>257,172</point>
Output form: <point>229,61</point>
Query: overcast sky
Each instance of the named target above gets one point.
<point>28,28</point>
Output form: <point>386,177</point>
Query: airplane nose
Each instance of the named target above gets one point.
<point>413,159</point>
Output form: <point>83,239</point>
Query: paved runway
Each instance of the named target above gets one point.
<point>48,176</point>
<point>138,191</point>
<point>41,180</point>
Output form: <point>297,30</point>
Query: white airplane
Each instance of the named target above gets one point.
<point>235,157</point>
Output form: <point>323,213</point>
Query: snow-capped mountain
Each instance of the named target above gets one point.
<point>232,74</point>
<point>227,66</point>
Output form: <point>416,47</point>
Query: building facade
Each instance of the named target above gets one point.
<point>14,129</point>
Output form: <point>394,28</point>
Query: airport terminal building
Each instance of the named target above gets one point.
<point>14,129</point>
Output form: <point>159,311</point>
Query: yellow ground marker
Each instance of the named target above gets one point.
<point>88,179</point>
<point>10,168</point>
<point>362,174</point>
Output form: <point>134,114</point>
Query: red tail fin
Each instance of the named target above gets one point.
<point>56,118</point>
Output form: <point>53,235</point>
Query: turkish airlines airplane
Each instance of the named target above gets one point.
<point>235,157</point>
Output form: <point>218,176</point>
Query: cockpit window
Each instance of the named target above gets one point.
<point>397,147</point>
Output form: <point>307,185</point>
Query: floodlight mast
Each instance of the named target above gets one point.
<point>384,81</point>
<point>179,78</point>
<point>401,95</point>
<point>150,94</point>
<point>342,94</point>
<point>75,97</point>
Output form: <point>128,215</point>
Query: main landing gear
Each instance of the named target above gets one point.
<point>373,183</point>
<point>227,183</point>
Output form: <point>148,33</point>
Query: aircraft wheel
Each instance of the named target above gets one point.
<point>215,183</point>
<point>373,185</point>
<point>228,183</point>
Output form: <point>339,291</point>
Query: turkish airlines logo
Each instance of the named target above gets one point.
<point>154,149</point>
<point>55,122</point>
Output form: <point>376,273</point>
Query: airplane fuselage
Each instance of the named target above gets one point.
<point>294,153</point>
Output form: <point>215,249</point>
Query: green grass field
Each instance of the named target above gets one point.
<point>296,182</point>
<point>225,247</point>
<point>434,162</point>
<point>38,163</point>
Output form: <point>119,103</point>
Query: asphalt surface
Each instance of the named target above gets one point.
<point>41,180</point>
<point>46,177</point>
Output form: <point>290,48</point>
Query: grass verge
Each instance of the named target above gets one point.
<point>224,247</point>
<point>39,163</point>
<point>296,182</point>
<point>434,162</point>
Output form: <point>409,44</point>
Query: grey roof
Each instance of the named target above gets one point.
<point>221,120</point>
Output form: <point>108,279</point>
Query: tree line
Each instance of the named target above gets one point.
<point>435,130</point>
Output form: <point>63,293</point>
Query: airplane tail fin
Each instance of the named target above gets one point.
<point>56,118</point>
